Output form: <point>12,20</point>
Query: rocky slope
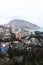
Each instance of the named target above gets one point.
<point>22,24</point>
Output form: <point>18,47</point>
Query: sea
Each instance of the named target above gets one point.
<point>41,30</point>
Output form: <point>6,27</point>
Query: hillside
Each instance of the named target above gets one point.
<point>22,24</point>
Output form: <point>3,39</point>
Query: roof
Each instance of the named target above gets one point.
<point>2,26</point>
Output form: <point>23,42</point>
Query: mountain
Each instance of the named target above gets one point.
<point>22,24</point>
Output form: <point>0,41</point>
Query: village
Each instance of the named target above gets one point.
<point>13,48</point>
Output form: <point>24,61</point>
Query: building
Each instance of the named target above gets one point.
<point>4,31</point>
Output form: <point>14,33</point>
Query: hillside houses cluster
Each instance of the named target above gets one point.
<point>4,31</point>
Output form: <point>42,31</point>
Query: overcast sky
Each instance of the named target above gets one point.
<point>29,10</point>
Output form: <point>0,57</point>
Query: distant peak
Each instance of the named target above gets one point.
<point>23,24</point>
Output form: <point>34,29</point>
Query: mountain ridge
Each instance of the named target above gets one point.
<point>22,24</point>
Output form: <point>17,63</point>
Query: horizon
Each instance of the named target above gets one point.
<point>7,21</point>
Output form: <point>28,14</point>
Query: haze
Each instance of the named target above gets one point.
<point>29,10</point>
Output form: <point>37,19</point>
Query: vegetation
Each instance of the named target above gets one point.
<point>30,57</point>
<point>21,55</point>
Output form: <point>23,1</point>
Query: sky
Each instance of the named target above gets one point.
<point>29,10</point>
